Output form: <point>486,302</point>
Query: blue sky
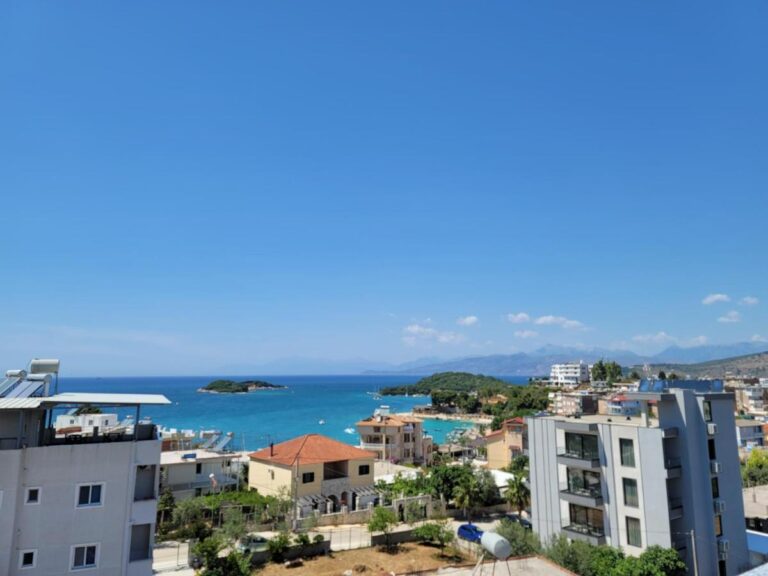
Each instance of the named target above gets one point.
<point>192,185</point>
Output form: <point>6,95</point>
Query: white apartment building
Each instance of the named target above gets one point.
<point>569,374</point>
<point>86,422</point>
<point>190,473</point>
<point>660,478</point>
<point>73,502</point>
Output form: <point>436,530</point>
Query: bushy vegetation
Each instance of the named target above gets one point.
<point>450,382</point>
<point>754,470</point>
<point>232,387</point>
<point>383,520</point>
<point>521,401</point>
<point>438,532</point>
<point>606,372</point>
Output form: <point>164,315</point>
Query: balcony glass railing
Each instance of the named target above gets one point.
<point>587,529</point>
<point>579,454</point>
<point>588,491</point>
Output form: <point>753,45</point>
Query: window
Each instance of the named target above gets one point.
<point>712,451</point>
<point>85,556</point>
<point>307,477</point>
<point>718,525</point>
<point>376,429</point>
<point>707,409</point>
<point>630,493</point>
<point>364,470</point>
<point>715,488</point>
<point>28,559</point>
<point>634,537</point>
<point>627,449</point>
<point>582,446</point>
<point>89,495</point>
<point>198,468</point>
<point>33,496</point>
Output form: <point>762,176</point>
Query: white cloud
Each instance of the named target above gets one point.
<point>660,337</point>
<point>414,333</point>
<point>697,341</point>
<point>526,334</point>
<point>758,338</point>
<point>730,317</point>
<point>714,298</point>
<point>749,301</point>
<point>519,318</point>
<point>562,321</point>
<point>467,320</point>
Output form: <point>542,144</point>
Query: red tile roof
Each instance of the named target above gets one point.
<point>309,449</point>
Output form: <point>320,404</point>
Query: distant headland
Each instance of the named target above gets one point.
<point>232,387</point>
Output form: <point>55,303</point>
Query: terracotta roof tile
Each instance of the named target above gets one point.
<point>310,449</point>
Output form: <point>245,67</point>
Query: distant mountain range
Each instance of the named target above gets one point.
<point>538,362</point>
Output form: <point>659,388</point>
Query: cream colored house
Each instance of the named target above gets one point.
<point>398,439</point>
<point>190,473</point>
<point>506,443</point>
<point>320,473</point>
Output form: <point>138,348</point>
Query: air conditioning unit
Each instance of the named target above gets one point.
<point>723,545</point>
<point>720,508</point>
<point>711,428</point>
<point>714,466</point>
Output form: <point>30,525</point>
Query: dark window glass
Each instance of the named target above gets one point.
<point>28,559</point>
<point>707,406</point>
<point>84,498</point>
<point>711,446</point>
<point>33,495</point>
<point>96,494</point>
<point>582,446</point>
<point>308,477</point>
<point>715,488</point>
<point>90,555</point>
<point>198,468</point>
<point>634,536</point>
<point>627,449</point>
<point>364,470</point>
<point>630,493</point>
<point>79,556</point>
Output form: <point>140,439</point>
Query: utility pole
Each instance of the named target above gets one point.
<point>693,550</point>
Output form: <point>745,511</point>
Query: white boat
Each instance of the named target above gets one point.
<point>349,430</point>
<point>321,421</point>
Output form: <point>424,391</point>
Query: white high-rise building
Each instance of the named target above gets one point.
<point>668,477</point>
<point>80,501</point>
<point>569,374</point>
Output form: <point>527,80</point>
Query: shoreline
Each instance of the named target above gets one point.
<point>472,418</point>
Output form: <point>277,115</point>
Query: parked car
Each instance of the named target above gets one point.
<point>470,532</point>
<point>524,522</point>
<point>251,543</point>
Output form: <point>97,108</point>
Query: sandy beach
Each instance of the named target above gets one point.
<point>475,419</point>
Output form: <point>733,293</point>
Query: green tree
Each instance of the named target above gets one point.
<point>87,409</point>
<point>278,545</point>
<point>517,494</point>
<point>523,542</point>
<point>233,564</point>
<point>383,520</point>
<point>634,375</point>
<point>166,504</point>
<point>662,375</point>
<point>754,472</point>
<point>444,479</point>
<point>603,560</point>
<point>658,561</point>
<point>599,372</point>
<point>673,376</point>
<point>233,526</point>
<point>438,531</point>
<point>467,495</point>
<point>208,550</point>
<point>487,491</point>
<point>613,372</point>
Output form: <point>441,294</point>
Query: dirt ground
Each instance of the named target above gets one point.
<point>410,558</point>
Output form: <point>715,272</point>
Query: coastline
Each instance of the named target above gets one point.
<point>473,418</point>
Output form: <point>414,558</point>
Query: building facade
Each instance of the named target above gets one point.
<point>503,445</point>
<point>319,474</point>
<point>190,473</point>
<point>398,439</point>
<point>84,501</point>
<point>632,482</point>
<point>569,374</point>
<point>749,433</point>
<point>571,403</point>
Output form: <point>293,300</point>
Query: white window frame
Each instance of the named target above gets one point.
<point>21,558</point>
<point>39,496</point>
<point>85,506</point>
<point>73,568</point>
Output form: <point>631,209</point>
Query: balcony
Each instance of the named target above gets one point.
<point>590,497</point>
<point>675,508</point>
<point>671,432</point>
<point>584,459</point>
<point>594,535</point>
<point>673,467</point>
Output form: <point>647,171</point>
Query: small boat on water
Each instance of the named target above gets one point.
<point>349,430</point>
<point>321,421</point>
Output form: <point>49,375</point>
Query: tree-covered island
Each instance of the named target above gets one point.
<point>233,387</point>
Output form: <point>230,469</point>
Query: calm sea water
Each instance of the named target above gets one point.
<point>268,415</point>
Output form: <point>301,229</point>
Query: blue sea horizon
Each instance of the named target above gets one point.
<point>265,416</point>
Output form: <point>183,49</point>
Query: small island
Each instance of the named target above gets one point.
<point>232,387</point>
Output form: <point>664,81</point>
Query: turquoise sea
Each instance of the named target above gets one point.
<point>265,416</point>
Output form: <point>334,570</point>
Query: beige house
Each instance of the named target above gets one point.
<point>320,473</point>
<point>506,443</point>
<point>398,439</point>
<point>190,473</point>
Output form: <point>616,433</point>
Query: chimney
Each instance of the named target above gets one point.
<point>271,449</point>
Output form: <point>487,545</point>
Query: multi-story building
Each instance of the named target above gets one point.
<point>83,500</point>
<point>569,374</point>
<point>671,480</point>
<point>318,473</point>
<point>750,400</point>
<point>571,403</point>
<point>749,433</point>
<point>505,443</point>
<point>618,405</point>
<point>190,473</point>
<point>399,439</point>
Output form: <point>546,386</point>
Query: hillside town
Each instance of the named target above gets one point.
<point>657,471</point>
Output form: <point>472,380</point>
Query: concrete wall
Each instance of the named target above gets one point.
<point>546,514</point>
<point>268,479</point>
<point>56,524</point>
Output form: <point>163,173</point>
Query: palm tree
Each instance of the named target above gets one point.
<point>517,493</point>
<point>466,494</point>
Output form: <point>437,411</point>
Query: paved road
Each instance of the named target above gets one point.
<point>171,558</point>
